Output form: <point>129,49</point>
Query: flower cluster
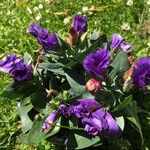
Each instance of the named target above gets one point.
<point>94,117</point>
<point>85,82</point>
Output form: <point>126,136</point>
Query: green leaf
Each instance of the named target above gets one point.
<point>120,64</point>
<point>35,134</point>
<point>24,107</point>
<point>56,68</point>
<point>10,91</point>
<point>95,36</point>
<point>55,129</point>
<point>120,122</point>
<point>131,115</point>
<point>18,89</point>
<point>93,48</point>
<point>76,88</point>
<point>39,100</point>
<point>106,96</point>
<point>48,65</point>
<point>71,81</point>
<point>80,140</point>
<point>27,58</point>
<point>124,104</point>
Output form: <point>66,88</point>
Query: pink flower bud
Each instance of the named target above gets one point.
<point>93,85</point>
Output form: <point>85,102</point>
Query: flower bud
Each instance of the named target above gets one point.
<point>47,125</point>
<point>93,85</point>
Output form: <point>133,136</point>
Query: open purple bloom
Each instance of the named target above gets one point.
<point>97,63</point>
<point>21,71</point>
<point>48,41</point>
<point>141,73</point>
<point>16,67</point>
<point>100,122</point>
<point>7,64</point>
<point>47,125</point>
<point>119,42</point>
<point>80,24</point>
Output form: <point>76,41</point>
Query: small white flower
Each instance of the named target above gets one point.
<point>48,1</point>
<point>40,6</point>
<point>29,10</point>
<point>47,11</point>
<point>66,20</point>
<point>125,26</point>
<point>148,2</point>
<point>8,12</point>
<point>35,8</point>
<point>84,9</point>
<point>79,13</point>
<point>130,2</point>
<point>148,44</point>
<point>38,17</point>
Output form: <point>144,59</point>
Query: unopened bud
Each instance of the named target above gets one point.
<point>37,117</point>
<point>93,85</point>
<point>127,85</point>
<point>51,92</point>
<point>49,121</point>
<point>65,95</point>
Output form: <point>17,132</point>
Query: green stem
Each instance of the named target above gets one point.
<point>66,127</point>
<point>70,128</point>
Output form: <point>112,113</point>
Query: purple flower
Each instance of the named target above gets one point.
<point>21,71</point>
<point>141,73</point>
<point>119,42</point>
<point>66,110</point>
<point>36,30</point>
<point>92,125</point>
<point>125,46</point>
<point>16,67</point>
<point>100,122</point>
<point>47,125</point>
<point>97,63</point>
<point>7,64</point>
<point>85,107</point>
<point>48,41</point>
<point>89,105</point>
<point>80,25</point>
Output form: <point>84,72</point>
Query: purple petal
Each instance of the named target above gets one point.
<point>9,61</point>
<point>49,42</point>
<point>119,42</point>
<point>80,24</point>
<point>116,40</point>
<point>113,127</point>
<point>141,73</point>
<point>36,30</point>
<point>125,46</point>
<point>47,125</point>
<point>89,105</point>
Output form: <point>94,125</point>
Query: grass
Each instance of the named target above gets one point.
<point>108,18</point>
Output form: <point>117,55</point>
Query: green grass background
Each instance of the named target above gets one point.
<point>15,18</point>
